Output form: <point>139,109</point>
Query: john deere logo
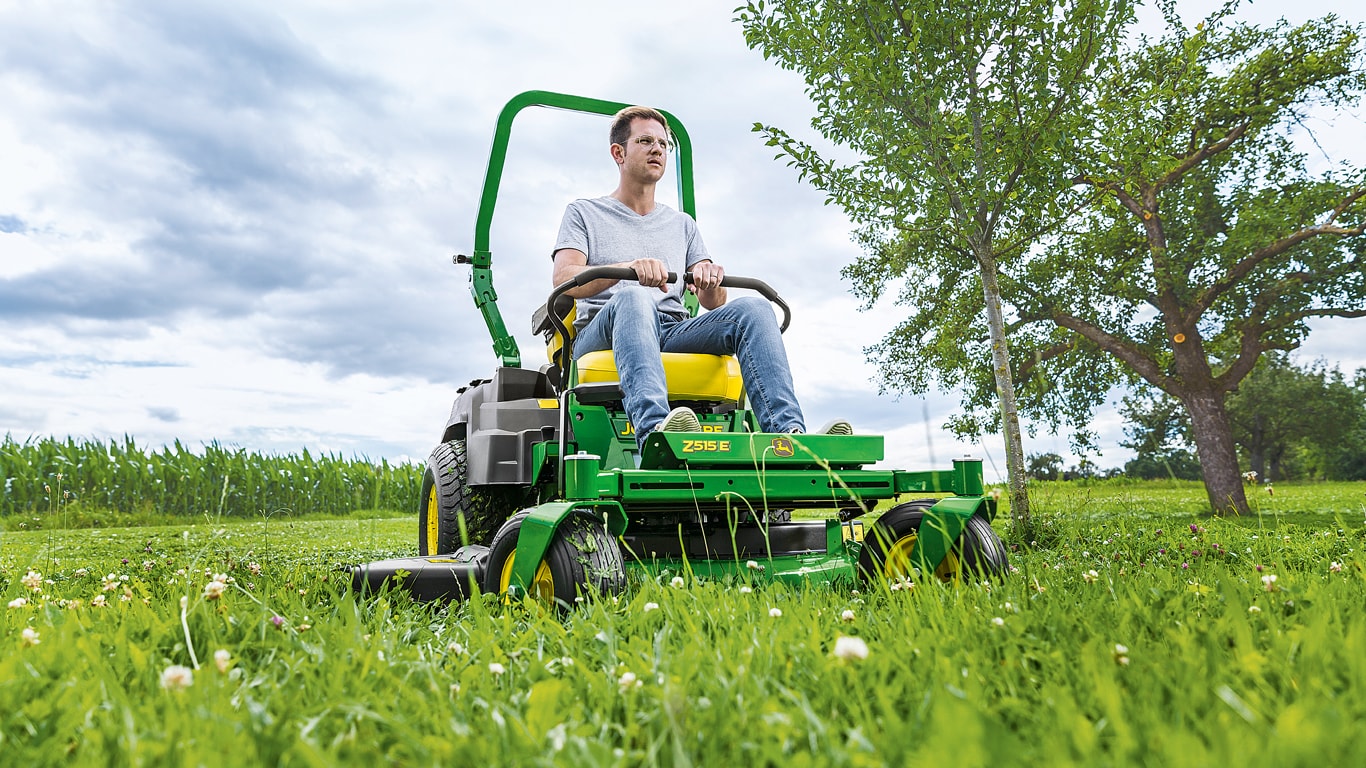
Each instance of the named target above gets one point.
<point>782,446</point>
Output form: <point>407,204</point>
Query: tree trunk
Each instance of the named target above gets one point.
<point>1218,457</point>
<point>1005,389</point>
<point>1256,447</point>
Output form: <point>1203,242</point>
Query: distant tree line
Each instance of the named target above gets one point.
<point>1289,423</point>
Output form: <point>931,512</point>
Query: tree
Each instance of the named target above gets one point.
<point>1203,241</point>
<point>1346,460</point>
<point>1158,432</point>
<point>1280,408</point>
<point>1045,466</point>
<point>958,112</point>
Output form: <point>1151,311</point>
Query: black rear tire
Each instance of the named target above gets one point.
<point>583,559</point>
<point>447,500</point>
<point>978,551</point>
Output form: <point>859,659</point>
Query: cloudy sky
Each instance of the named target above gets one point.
<point>235,221</point>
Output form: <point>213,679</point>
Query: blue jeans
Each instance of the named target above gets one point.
<point>636,333</point>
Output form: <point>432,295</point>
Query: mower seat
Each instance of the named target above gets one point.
<point>709,378</point>
<point>706,378</point>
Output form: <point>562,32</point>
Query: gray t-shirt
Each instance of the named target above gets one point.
<point>609,232</point>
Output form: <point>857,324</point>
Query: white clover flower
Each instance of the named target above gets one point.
<point>998,621</point>
<point>29,637</point>
<point>847,616</point>
<point>496,669</point>
<point>33,580</point>
<point>628,680</point>
<point>775,612</point>
<point>221,659</point>
<point>214,590</point>
<point>81,572</point>
<point>1269,582</point>
<point>850,648</point>
<point>18,602</point>
<point>902,583</point>
<point>1254,609</point>
<point>677,581</point>
<point>650,607</point>
<point>746,590</point>
<point>177,677</point>
<point>753,565</point>
<point>1121,655</point>
<point>1335,567</point>
<point>254,568</point>
<point>1090,577</point>
<point>98,601</point>
<point>455,649</point>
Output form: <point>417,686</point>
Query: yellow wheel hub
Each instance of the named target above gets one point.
<point>542,586</point>
<point>898,561</point>
<point>433,531</point>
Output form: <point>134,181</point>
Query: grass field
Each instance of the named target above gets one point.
<point>1134,633</point>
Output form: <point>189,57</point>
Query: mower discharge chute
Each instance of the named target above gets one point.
<point>538,486</point>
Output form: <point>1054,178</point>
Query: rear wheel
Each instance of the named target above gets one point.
<point>447,502</point>
<point>582,558</point>
<point>887,549</point>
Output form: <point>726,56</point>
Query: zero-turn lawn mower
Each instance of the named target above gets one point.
<point>538,487</point>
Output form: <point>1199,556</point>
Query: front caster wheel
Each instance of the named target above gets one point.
<point>887,548</point>
<point>583,558</point>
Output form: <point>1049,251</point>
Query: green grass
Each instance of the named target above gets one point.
<point>1219,664</point>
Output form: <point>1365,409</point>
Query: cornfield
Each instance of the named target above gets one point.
<point>46,474</point>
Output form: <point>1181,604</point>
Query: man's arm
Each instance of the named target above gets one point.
<point>570,262</point>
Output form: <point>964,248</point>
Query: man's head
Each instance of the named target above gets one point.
<point>621,123</point>
<point>640,145</point>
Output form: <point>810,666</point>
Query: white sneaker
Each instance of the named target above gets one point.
<point>837,427</point>
<point>681,419</point>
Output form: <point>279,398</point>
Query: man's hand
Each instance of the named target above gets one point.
<point>706,283</point>
<point>651,273</point>
<point>707,275</point>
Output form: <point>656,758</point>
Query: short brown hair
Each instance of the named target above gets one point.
<point>621,123</point>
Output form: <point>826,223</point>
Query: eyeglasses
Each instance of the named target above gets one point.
<point>648,142</point>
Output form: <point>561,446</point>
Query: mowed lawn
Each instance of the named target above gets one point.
<point>1133,631</point>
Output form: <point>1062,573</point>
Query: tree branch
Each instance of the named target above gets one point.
<point>1127,352</point>
<point>1244,267</point>
<point>1043,355</point>
<point>1203,154</point>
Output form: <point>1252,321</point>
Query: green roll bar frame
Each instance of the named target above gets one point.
<point>481,277</point>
